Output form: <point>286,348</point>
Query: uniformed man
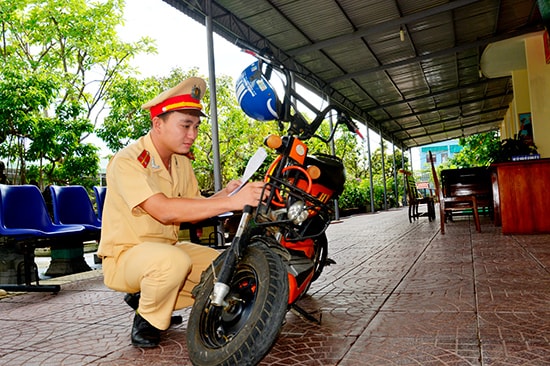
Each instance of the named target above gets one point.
<point>151,189</point>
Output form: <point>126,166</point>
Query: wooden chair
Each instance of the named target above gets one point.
<point>450,204</point>
<point>415,199</point>
<point>470,181</point>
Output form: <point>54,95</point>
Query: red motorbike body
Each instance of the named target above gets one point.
<point>313,180</point>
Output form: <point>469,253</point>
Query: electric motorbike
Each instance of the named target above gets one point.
<point>280,247</point>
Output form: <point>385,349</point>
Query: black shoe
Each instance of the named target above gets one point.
<point>144,334</point>
<point>133,301</point>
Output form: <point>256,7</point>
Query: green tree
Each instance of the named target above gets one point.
<point>59,59</point>
<point>387,173</point>
<point>477,150</point>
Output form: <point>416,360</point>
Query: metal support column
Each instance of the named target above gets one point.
<point>383,170</point>
<point>213,100</point>
<point>214,115</point>
<point>370,172</point>
<point>333,153</point>
<point>395,185</point>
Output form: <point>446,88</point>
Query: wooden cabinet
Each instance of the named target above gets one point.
<point>523,196</point>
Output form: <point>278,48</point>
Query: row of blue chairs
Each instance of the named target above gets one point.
<point>72,205</point>
<point>25,220</point>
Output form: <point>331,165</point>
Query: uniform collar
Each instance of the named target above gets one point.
<point>156,164</point>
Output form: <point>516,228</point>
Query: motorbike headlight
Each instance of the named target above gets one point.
<point>297,212</point>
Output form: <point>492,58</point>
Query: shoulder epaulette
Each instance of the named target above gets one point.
<point>144,158</point>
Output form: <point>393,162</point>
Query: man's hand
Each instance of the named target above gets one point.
<point>231,186</point>
<point>177,209</point>
<point>251,194</point>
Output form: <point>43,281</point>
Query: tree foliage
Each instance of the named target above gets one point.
<point>477,150</point>
<point>59,58</point>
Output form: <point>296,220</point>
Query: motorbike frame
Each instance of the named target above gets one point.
<point>299,130</point>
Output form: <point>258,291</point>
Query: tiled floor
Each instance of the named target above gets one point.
<point>399,294</point>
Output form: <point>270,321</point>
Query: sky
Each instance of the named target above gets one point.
<point>182,42</point>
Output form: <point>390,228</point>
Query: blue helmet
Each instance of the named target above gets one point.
<point>255,95</point>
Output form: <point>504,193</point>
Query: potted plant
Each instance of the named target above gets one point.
<point>512,149</point>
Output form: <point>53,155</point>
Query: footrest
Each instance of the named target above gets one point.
<point>31,288</point>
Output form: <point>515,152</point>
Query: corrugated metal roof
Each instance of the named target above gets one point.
<point>424,89</point>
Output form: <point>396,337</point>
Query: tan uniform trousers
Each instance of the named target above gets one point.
<point>164,274</point>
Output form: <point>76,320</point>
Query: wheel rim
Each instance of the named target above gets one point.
<point>221,324</point>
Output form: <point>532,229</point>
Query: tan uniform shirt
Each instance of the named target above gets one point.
<point>134,174</point>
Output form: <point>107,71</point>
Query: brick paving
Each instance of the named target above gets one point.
<point>399,294</point>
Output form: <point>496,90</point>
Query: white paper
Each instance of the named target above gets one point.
<point>252,167</point>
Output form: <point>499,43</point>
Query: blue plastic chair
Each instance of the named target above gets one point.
<point>72,205</point>
<point>100,192</point>
<point>24,219</point>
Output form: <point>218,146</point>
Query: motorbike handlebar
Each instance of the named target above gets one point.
<point>299,125</point>
<point>350,124</point>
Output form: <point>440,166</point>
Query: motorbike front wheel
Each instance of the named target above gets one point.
<point>243,331</point>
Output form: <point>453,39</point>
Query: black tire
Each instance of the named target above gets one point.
<point>243,332</point>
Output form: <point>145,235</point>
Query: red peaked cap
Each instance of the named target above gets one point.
<point>184,96</point>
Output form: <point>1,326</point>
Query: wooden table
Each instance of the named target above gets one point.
<point>523,196</point>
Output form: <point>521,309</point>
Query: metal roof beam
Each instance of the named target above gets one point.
<point>492,128</point>
<point>450,119</point>
<point>444,107</point>
<point>434,94</point>
<point>382,27</point>
<point>236,31</point>
<point>444,52</point>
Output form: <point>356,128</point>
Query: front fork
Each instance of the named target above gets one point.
<point>238,245</point>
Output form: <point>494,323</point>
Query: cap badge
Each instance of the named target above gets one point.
<point>195,92</point>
